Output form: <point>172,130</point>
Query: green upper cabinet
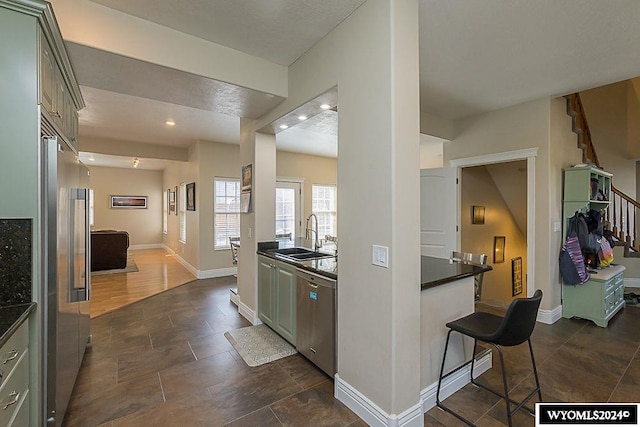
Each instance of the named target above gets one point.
<point>587,185</point>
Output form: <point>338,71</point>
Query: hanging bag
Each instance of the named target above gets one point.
<point>572,268</point>
<point>605,253</point>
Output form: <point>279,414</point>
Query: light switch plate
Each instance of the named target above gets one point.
<point>557,226</point>
<point>380,256</point>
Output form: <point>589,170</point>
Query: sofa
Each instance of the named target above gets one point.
<point>109,249</point>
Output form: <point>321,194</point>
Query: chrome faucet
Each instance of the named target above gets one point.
<point>308,231</point>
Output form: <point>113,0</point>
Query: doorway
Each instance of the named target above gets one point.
<point>529,156</point>
<point>289,208</point>
<point>497,195</point>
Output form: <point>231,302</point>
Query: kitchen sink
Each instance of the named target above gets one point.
<point>301,254</point>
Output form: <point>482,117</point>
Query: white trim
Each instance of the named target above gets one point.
<point>146,246</point>
<point>217,272</point>
<point>528,154</point>
<point>631,282</point>
<point>487,159</point>
<point>204,274</point>
<point>246,312</point>
<point>234,298</point>
<point>371,413</point>
<point>549,316</point>
<point>455,382</point>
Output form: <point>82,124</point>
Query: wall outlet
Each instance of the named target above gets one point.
<point>249,232</point>
<point>380,256</point>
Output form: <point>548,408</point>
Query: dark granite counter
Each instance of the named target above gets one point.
<point>15,261</point>
<point>438,271</point>
<point>11,317</point>
<point>327,267</point>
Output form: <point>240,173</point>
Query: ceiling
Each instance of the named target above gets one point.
<point>475,56</point>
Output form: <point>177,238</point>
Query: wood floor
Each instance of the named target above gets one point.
<point>158,271</point>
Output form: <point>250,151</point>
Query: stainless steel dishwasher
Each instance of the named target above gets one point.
<point>316,313</point>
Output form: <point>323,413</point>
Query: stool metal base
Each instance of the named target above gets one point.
<point>504,396</point>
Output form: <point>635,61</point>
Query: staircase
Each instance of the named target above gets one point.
<point>621,219</point>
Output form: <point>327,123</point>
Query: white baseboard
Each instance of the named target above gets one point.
<point>147,246</point>
<point>549,316</point>
<point>371,413</point>
<point>455,382</point>
<point>204,274</point>
<point>246,312</point>
<point>217,272</point>
<point>631,282</point>
<point>234,298</point>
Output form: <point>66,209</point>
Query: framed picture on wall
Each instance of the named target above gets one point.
<point>128,202</point>
<point>516,275</point>
<point>171,197</point>
<point>191,196</point>
<point>176,197</point>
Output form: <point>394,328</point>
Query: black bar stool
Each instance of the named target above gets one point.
<point>513,329</point>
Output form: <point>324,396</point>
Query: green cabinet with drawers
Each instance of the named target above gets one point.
<point>14,379</point>
<point>597,300</point>
<point>600,298</point>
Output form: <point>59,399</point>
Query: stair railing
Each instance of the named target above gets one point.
<point>622,217</point>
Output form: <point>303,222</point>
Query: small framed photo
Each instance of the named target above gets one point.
<point>191,196</point>
<point>498,249</point>
<point>171,200</point>
<point>516,275</point>
<point>176,197</point>
<point>129,202</point>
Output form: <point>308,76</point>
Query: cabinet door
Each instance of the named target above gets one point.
<point>47,76</point>
<point>266,290</point>
<point>286,303</point>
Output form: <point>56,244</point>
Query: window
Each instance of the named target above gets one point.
<point>183,213</point>
<point>226,211</point>
<point>323,204</point>
<point>286,211</point>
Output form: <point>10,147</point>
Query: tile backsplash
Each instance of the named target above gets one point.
<point>15,261</point>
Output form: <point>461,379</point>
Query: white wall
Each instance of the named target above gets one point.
<point>143,225</point>
<point>609,115</point>
<point>378,194</point>
<point>541,124</point>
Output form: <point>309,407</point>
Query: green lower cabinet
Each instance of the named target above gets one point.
<point>286,302</point>
<point>277,297</point>
<point>597,300</point>
<point>266,290</point>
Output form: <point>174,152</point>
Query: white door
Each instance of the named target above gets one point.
<point>288,208</point>
<point>438,212</point>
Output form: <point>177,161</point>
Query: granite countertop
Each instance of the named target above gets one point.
<point>438,271</point>
<point>327,267</point>
<point>11,317</point>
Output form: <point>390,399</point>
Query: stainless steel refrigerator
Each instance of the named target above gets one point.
<point>66,275</point>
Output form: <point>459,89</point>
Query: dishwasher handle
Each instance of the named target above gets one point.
<point>315,280</point>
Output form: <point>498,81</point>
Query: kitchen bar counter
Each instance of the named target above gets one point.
<point>438,271</point>
<point>11,317</point>
<point>327,267</point>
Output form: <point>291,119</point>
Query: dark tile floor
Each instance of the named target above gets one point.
<point>164,361</point>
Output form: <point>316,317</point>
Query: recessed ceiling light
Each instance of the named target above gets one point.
<point>283,126</point>
<point>325,106</point>
<point>303,117</point>
<point>92,159</point>
<point>170,123</point>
